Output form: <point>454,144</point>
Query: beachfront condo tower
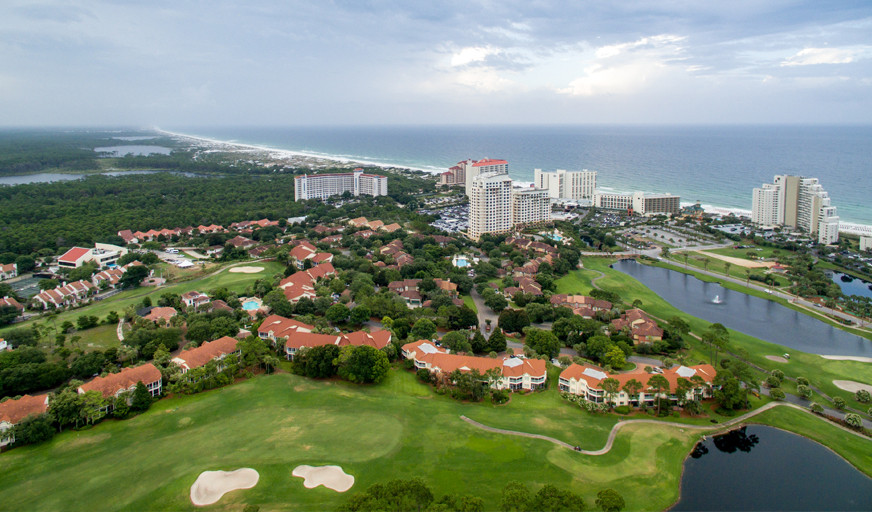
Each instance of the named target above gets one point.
<point>563,184</point>
<point>796,203</point>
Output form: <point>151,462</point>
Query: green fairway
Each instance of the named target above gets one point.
<point>400,429</point>
<point>820,372</point>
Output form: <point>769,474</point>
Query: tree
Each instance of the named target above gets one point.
<point>615,358</point>
<point>776,394</point>
<point>513,320</point>
<point>550,498</point>
<point>92,407</point>
<point>424,329</point>
<point>457,341</point>
<point>682,388</point>
<point>839,402</point>
<point>660,385</point>
<point>395,495</point>
<point>803,392</point>
<point>133,276</point>
<point>141,400</point>
<point>611,386</point>
<point>496,302</point>
<point>254,350</point>
<point>728,390</point>
<point>478,343</point>
<point>863,396</point>
<point>497,341</point>
<point>608,500</point>
<point>317,362</point>
<point>853,420</point>
<point>360,315</point>
<point>278,303</point>
<point>632,388</point>
<point>33,429</point>
<point>717,337</point>
<point>542,342</point>
<point>8,314</point>
<point>88,364</point>
<point>516,497</point>
<point>337,313</point>
<point>65,408</point>
<point>363,364</point>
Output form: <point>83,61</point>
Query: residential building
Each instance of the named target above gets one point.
<point>455,175</point>
<point>210,351</point>
<point>65,295</point>
<point>13,411</point>
<point>514,373</point>
<point>563,184</point>
<point>799,203</point>
<point>8,271</point>
<point>586,381</point>
<point>160,315</point>
<point>195,299</point>
<point>101,254</point>
<point>114,384</point>
<point>641,327</point>
<point>613,201</point>
<point>530,206</point>
<point>322,186</point>
<point>865,243</point>
<point>581,305</point>
<point>300,339</point>
<point>275,326</point>
<point>490,204</point>
<point>10,301</point>
<point>302,284</point>
<point>473,169</point>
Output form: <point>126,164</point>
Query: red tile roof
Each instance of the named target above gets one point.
<point>489,161</point>
<point>125,379</point>
<point>206,352</point>
<point>74,254</point>
<point>13,411</point>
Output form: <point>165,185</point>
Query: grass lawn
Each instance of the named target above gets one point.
<point>100,337</point>
<point>399,429</point>
<point>695,260</point>
<point>236,282</point>
<point>468,302</point>
<point>820,372</point>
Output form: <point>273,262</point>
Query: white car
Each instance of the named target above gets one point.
<point>173,251</point>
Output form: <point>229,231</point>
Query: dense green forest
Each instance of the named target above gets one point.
<point>50,216</point>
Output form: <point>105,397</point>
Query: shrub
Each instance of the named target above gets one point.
<point>622,409</point>
<point>778,374</point>
<point>424,375</point>
<point>839,402</point>
<point>802,381</point>
<point>803,391</point>
<point>499,396</point>
<point>863,396</point>
<point>816,408</point>
<point>853,420</point>
<point>777,394</point>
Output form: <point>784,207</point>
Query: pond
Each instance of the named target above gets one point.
<point>852,285</point>
<point>119,151</point>
<point>50,177</point>
<point>760,318</point>
<point>763,468</point>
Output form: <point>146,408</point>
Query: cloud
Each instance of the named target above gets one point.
<point>812,56</point>
<point>472,54</point>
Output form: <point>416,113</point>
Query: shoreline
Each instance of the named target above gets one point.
<point>294,155</point>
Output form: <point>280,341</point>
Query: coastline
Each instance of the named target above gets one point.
<point>317,161</point>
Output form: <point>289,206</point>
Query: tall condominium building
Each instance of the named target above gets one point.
<point>797,203</point>
<point>530,206</point>
<point>563,184</point>
<point>655,204</point>
<point>472,169</point>
<point>455,175</point>
<point>611,201</point>
<point>322,186</point>
<point>490,204</point>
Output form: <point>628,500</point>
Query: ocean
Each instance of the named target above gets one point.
<point>715,165</point>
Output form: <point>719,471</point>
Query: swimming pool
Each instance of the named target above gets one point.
<point>250,305</point>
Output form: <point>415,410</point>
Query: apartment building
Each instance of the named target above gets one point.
<point>322,186</point>
<point>530,206</point>
<point>799,203</point>
<point>490,204</point>
<point>472,169</point>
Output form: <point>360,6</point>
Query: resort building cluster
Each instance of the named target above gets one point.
<point>799,203</point>
<point>587,381</point>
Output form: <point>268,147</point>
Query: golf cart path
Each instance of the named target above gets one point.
<point>623,423</point>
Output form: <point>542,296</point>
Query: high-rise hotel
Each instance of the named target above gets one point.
<point>797,203</point>
<point>563,184</point>
<point>322,186</point>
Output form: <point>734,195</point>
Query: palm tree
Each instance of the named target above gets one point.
<point>611,387</point>
<point>705,263</point>
<point>682,387</point>
<point>632,388</point>
<point>660,385</point>
<point>727,266</point>
<point>747,276</point>
<point>685,259</point>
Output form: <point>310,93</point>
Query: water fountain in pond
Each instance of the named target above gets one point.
<point>717,300</point>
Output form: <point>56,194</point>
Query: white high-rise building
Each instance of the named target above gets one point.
<point>797,203</point>
<point>472,169</point>
<point>563,184</point>
<point>530,206</point>
<point>490,204</point>
<point>322,186</point>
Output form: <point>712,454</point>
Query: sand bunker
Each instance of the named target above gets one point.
<point>211,485</point>
<point>852,386</point>
<point>245,270</point>
<point>850,358</point>
<point>331,477</point>
<point>777,359</point>
<point>739,261</point>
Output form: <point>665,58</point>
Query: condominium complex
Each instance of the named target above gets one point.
<point>563,184</point>
<point>797,203</point>
<point>471,169</point>
<point>455,175</point>
<point>639,203</point>
<point>322,186</point>
<point>496,207</point>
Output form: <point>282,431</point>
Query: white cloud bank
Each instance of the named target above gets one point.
<point>812,56</point>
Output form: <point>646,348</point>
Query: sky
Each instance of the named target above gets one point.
<point>357,62</point>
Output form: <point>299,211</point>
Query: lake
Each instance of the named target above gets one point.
<point>764,468</point>
<point>49,177</point>
<point>760,318</point>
